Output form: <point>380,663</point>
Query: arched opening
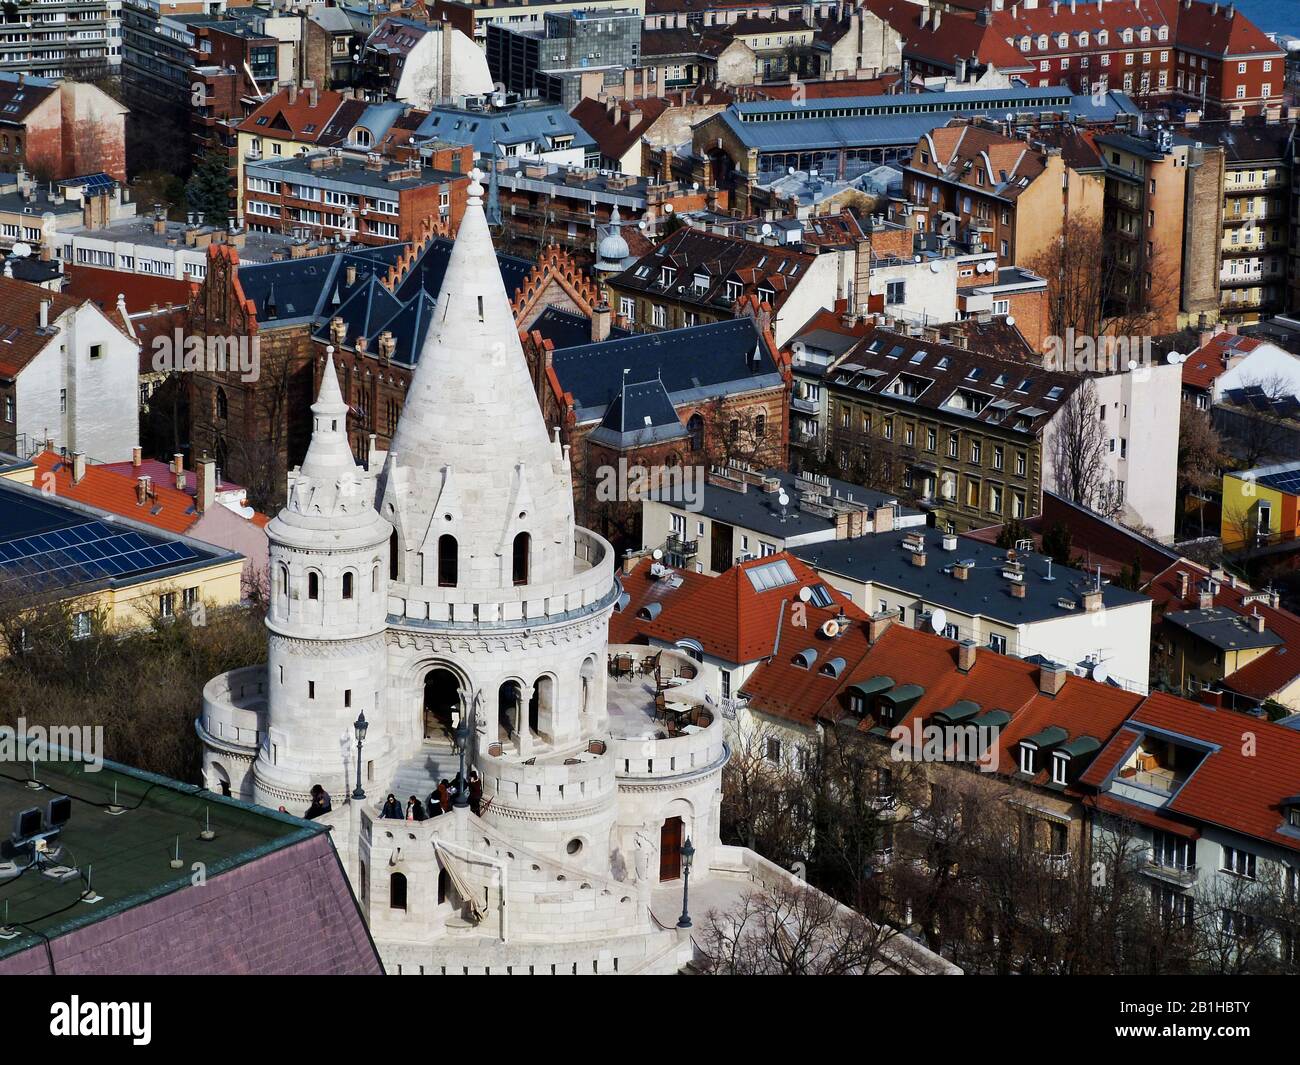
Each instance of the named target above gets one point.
<point>222,404</point>
<point>670,849</point>
<point>441,701</point>
<point>442,886</point>
<point>509,703</point>
<point>695,426</point>
<point>397,892</point>
<point>588,684</point>
<point>393,554</point>
<point>520,561</point>
<point>313,585</point>
<point>541,707</point>
<point>347,585</point>
<point>284,580</point>
<point>448,561</point>
<point>221,778</point>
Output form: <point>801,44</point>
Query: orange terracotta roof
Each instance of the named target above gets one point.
<point>20,319</point>
<point>1206,363</point>
<point>106,489</point>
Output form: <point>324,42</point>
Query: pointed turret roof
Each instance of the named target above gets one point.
<point>329,491</point>
<point>471,447</point>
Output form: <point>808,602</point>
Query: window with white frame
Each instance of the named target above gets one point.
<point>1239,862</point>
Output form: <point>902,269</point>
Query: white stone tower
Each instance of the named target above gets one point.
<point>499,605</point>
<point>326,660</point>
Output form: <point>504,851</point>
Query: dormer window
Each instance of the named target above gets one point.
<point>701,282</point>
<point>805,658</point>
<point>1059,764</point>
<point>733,291</point>
<point>666,276</point>
<point>1028,759</point>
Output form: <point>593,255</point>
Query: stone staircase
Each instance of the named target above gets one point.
<point>420,775</point>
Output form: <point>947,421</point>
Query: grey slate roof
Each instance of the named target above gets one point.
<point>1225,629</point>
<point>985,592</point>
<point>642,413</point>
<point>697,362</point>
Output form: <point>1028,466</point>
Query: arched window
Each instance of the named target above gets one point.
<point>347,585</point>
<point>695,426</point>
<point>448,561</point>
<point>397,892</point>
<point>284,580</point>
<point>523,546</point>
<point>392,556</point>
<point>374,578</point>
<point>760,426</point>
<point>223,406</point>
<point>442,886</point>
<point>313,586</point>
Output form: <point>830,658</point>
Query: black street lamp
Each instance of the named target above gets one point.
<point>359,727</point>
<point>461,736</point>
<point>688,858</point>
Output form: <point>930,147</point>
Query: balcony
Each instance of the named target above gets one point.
<point>1179,875</point>
<point>676,545</point>
<point>1057,865</point>
<point>803,406</point>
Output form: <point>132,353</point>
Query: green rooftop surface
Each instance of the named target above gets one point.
<point>127,855</point>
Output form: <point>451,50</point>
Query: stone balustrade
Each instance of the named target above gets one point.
<point>234,708</point>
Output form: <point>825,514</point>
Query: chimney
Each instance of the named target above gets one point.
<point>78,466</point>
<point>878,623</point>
<point>967,651</point>
<point>45,312</point>
<point>884,518</point>
<point>338,332</point>
<point>961,571</point>
<point>1184,584</point>
<point>1092,599</point>
<point>178,469</point>
<point>1206,598</point>
<point>1017,590</point>
<point>600,322</point>
<point>137,456</point>
<point>1256,620</point>
<point>918,558</point>
<point>142,490</point>
<point>350,275</point>
<point>387,346</point>
<point>293,93</point>
<point>1051,677</point>
<point>207,487</point>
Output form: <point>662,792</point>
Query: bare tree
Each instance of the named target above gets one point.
<point>1077,447</point>
<point>792,930</point>
<point>1200,458</point>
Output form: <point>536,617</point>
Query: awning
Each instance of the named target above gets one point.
<point>477,912</point>
<point>874,686</point>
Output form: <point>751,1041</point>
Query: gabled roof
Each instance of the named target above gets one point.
<point>1210,360</point>
<point>20,95</point>
<point>106,488</point>
<point>299,120</point>
<point>1237,785</point>
<point>1266,675</point>
<point>958,36</point>
<point>694,364</point>
<point>614,138</point>
<point>21,339</point>
<point>642,413</point>
<point>735,616</point>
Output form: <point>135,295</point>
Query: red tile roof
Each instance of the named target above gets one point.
<point>1220,30</point>
<point>107,489</point>
<point>1206,363</point>
<point>20,318</point>
<point>727,615</point>
<point>140,290</point>
<point>959,36</point>
<point>614,139</point>
<point>297,121</point>
<point>1266,675</point>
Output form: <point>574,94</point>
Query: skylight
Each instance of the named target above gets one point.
<point>770,575</point>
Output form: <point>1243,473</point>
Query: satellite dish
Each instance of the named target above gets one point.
<point>657,554</point>
<point>1173,358</point>
<point>805,594</point>
<point>934,268</point>
<point>22,250</point>
<point>1010,320</point>
<point>1100,673</point>
<point>783,499</point>
<point>939,619</point>
<point>767,228</point>
<point>1132,364</point>
<point>830,628</point>
<point>668,208</point>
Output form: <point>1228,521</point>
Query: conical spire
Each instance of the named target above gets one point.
<point>471,457</point>
<point>328,454</point>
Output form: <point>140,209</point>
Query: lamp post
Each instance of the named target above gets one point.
<point>688,857</point>
<point>359,727</point>
<point>461,736</point>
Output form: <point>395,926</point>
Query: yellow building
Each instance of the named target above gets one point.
<point>106,570</point>
<point>1261,507</point>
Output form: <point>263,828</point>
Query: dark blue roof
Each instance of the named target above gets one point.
<point>305,288</point>
<point>565,329</point>
<point>641,413</point>
<point>697,362</point>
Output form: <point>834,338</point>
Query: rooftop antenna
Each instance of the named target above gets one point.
<point>207,833</point>
<point>784,500</point>
<point>1097,586</point>
<point>6,932</point>
<point>176,862</point>
<point>115,808</point>
<point>1049,576</point>
<point>33,783</point>
<point>90,896</point>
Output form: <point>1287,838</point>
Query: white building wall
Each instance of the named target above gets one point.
<point>1142,414</point>
<point>98,415</point>
<point>817,290</point>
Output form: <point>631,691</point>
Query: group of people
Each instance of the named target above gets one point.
<point>439,802</point>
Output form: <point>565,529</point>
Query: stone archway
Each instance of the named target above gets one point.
<point>441,702</point>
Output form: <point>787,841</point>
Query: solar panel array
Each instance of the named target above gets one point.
<point>88,552</point>
<point>92,183</point>
<point>1284,481</point>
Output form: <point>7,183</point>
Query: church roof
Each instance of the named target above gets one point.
<point>641,413</point>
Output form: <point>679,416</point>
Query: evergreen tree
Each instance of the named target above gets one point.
<point>208,191</point>
<point>1057,542</point>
